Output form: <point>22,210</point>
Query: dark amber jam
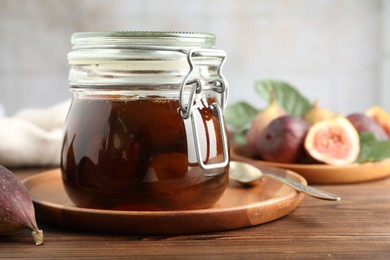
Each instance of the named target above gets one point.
<point>138,154</point>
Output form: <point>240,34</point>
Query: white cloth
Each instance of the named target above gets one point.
<point>33,137</point>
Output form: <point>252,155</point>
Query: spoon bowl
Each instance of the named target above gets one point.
<point>247,174</point>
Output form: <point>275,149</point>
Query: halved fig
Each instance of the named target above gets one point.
<point>380,116</point>
<point>334,141</point>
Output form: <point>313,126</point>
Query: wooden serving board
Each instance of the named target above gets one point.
<point>238,207</point>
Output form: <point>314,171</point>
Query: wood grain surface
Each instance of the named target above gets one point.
<point>357,227</point>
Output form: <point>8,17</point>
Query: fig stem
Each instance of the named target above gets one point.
<point>38,237</point>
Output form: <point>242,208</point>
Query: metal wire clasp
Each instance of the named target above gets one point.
<point>186,106</point>
<point>218,112</point>
<point>220,84</point>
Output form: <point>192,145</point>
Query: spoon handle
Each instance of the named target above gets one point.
<point>315,193</point>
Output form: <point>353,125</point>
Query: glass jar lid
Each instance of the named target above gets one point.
<point>122,39</point>
<point>140,58</point>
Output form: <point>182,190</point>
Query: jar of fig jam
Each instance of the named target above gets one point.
<point>145,130</point>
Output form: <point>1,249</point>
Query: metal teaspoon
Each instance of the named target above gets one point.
<point>246,174</point>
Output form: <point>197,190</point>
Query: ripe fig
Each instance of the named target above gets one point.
<point>317,114</point>
<point>364,123</point>
<point>381,117</point>
<point>333,141</point>
<point>16,208</point>
<point>282,140</point>
<point>261,121</point>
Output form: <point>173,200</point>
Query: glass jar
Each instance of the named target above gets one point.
<point>145,129</point>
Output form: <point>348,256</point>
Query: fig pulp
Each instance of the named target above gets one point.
<point>381,117</point>
<point>282,140</point>
<point>260,122</point>
<point>16,208</point>
<point>364,123</point>
<point>334,141</point>
<point>317,114</point>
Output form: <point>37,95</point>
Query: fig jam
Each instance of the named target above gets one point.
<point>145,130</point>
<point>137,154</point>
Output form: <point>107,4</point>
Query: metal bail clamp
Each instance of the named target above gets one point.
<point>186,108</point>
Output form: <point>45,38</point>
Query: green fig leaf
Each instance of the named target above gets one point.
<point>372,149</point>
<point>239,115</point>
<point>288,97</point>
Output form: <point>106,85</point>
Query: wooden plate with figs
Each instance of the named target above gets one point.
<point>238,207</point>
<point>322,173</point>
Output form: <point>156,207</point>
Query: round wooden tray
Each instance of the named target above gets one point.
<point>321,173</point>
<point>239,207</point>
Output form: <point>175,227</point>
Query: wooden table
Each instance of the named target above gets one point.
<point>357,227</point>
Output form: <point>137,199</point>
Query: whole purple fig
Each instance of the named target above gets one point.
<point>261,121</point>
<point>16,207</point>
<point>282,140</point>
<point>364,123</point>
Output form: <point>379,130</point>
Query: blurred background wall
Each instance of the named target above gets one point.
<point>335,50</point>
